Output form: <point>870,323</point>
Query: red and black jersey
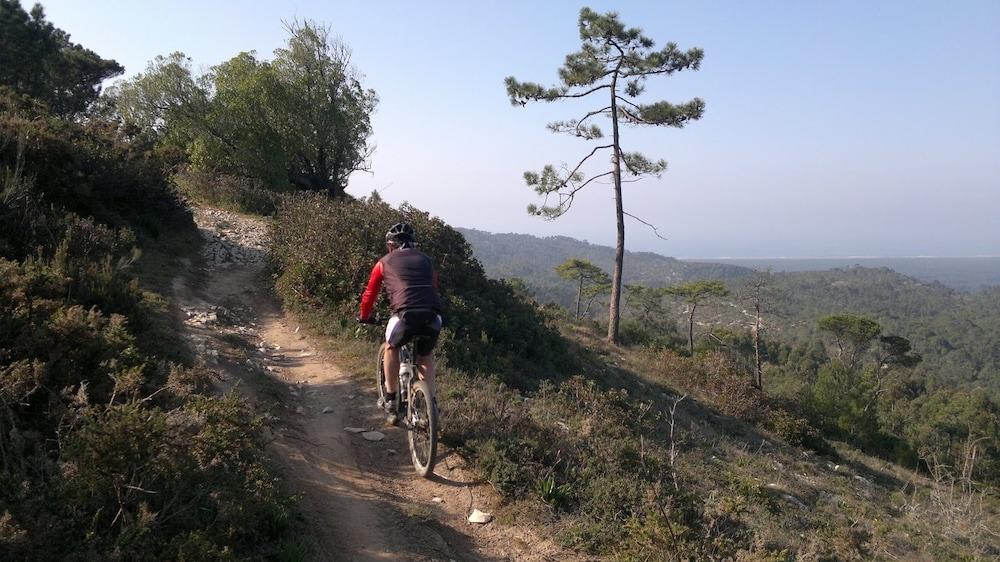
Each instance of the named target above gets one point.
<point>410,282</point>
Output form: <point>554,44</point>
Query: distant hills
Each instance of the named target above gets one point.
<point>534,258</point>
<point>964,274</point>
<point>956,331</point>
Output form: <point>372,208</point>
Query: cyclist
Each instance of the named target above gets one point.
<point>412,288</point>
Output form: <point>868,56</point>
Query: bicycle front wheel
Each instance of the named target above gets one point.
<point>422,425</point>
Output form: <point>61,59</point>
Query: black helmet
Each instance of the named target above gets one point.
<point>401,233</point>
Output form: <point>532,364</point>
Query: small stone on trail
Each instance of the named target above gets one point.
<point>436,499</point>
<point>354,429</point>
<point>373,435</point>
<point>327,410</point>
<point>479,517</point>
<point>352,397</point>
<point>391,451</point>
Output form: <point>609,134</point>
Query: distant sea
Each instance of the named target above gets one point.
<point>964,274</point>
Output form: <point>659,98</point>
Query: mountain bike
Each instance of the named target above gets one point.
<point>415,408</point>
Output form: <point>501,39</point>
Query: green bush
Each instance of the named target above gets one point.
<point>793,429</point>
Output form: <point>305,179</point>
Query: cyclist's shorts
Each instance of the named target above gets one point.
<point>421,325</point>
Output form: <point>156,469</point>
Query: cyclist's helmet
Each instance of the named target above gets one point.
<point>400,233</point>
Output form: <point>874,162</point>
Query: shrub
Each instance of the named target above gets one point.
<point>236,193</point>
<point>109,451</point>
<point>793,429</point>
<point>87,169</point>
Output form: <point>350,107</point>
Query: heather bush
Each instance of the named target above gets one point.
<point>593,462</point>
<point>109,452</point>
<point>89,170</point>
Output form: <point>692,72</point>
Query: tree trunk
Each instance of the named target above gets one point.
<point>616,276</point>
<point>756,351</point>
<point>579,297</point>
<point>691,329</point>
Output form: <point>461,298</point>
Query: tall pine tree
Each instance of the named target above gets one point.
<point>612,65</point>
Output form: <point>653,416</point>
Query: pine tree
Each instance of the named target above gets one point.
<point>694,293</point>
<point>590,279</point>
<point>612,64</point>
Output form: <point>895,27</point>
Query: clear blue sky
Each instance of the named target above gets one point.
<point>832,128</point>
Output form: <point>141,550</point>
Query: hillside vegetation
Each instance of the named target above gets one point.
<point>636,452</point>
<point>111,446</point>
<point>846,445</point>
<point>533,260</point>
<point>949,396</point>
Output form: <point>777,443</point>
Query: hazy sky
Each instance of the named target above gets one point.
<point>832,128</point>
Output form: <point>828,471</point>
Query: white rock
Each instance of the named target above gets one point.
<point>354,429</point>
<point>373,435</point>
<point>436,499</point>
<point>327,410</point>
<point>479,517</point>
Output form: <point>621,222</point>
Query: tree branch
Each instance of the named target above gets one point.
<point>581,94</point>
<point>655,231</point>
<point>591,114</point>
<point>566,199</point>
<point>585,158</point>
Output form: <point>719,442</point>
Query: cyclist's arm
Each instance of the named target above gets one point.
<point>370,295</point>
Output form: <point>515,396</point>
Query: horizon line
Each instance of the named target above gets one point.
<point>836,257</point>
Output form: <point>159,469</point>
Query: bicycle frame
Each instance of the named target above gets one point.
<point>407,372</point>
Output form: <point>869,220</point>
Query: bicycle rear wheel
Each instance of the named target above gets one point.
<point>380,373</point>
<point>422,425</point>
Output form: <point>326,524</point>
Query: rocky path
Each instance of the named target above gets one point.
<point>360,498</point>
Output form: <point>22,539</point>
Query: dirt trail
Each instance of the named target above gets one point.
<point>360,499</point>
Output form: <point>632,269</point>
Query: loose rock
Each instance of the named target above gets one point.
<point>480,517</point>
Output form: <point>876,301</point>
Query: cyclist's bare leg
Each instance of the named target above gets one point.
<point>427,368</point>
<point>390,366</point>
